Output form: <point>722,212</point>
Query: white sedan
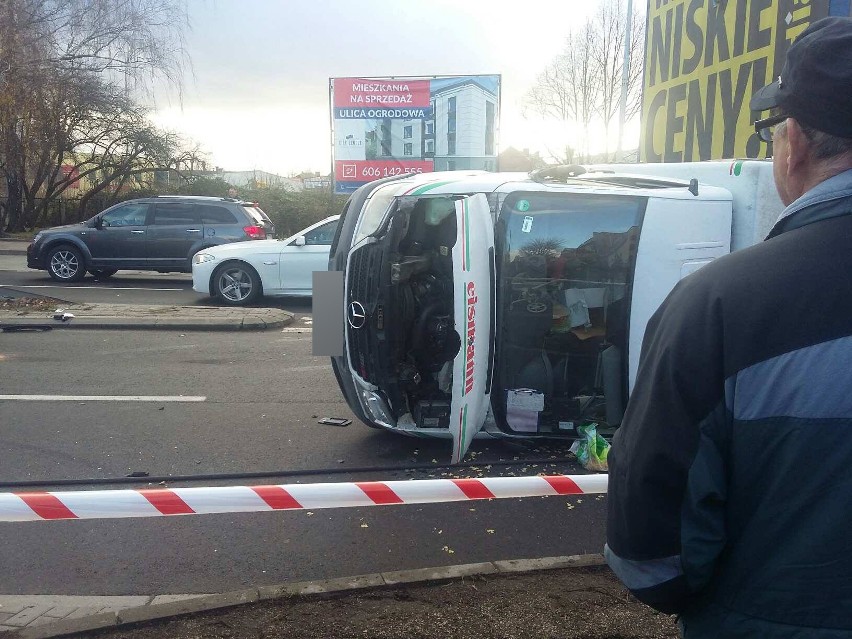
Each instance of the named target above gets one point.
<point>240,272</point>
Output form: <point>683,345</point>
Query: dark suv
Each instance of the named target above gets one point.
<point>152,234</point>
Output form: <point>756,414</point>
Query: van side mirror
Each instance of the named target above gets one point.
<point>299,241</point>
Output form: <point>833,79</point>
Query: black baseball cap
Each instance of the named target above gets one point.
<point>815,85</point>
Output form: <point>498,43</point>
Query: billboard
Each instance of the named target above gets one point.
<point>383,127</point>
<point>704,59</point>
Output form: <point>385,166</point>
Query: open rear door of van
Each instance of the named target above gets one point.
<point>473,284</point>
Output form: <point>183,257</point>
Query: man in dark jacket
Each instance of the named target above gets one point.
<point>730,494</point>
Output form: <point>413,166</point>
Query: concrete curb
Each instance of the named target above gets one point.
<point>236,323</point>
<point>204,603</point>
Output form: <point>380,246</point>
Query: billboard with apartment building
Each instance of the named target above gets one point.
<point>390,126</point>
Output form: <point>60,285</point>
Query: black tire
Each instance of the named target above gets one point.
<point>103,273</point>
<point>65,263</point>
<point>236,284</point>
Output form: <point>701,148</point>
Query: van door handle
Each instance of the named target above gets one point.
<point>193,230</point>
<point>137,231</point>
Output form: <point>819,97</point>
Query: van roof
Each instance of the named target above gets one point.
<point>461,182</point>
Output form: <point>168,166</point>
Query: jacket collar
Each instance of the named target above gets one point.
<point>820,203</point>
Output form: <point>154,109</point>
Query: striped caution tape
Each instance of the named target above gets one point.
<point>113,504</point>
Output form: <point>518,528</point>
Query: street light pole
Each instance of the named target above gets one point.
<point>625,71</point>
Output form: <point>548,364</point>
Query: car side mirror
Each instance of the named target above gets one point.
<point>299,241</point>
<point>99,223</point>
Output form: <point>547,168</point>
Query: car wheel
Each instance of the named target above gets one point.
<point>102,273</point>
<point>66,264</point>
<point>236,284</point>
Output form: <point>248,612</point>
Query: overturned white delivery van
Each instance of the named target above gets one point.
<point>514,305</point>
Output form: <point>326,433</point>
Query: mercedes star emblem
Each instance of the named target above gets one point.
<point>357,316</point>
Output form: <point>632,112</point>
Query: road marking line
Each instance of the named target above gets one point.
<point>97,288</point>
<point>305,329</point>
<point>107,398</point>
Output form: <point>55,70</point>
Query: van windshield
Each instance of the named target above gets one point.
<point>565,265</point>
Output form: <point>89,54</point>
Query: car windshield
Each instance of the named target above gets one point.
<point>565,271</point>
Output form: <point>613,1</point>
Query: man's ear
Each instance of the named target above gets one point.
<point>798,148</point>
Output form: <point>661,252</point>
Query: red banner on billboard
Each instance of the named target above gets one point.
<point>364,93</point>
<point>369,170</point>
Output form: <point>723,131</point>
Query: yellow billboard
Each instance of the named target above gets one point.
<point>704,59</point>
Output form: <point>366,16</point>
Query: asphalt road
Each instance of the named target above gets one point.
<point>125,287</point>
<point>264,393</point>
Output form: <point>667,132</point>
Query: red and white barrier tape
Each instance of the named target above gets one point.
<point>112,504</point>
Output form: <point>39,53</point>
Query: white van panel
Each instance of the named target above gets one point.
<point>675,240</point>
<point>756,203</point>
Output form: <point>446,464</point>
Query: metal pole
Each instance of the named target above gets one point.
<point>622,107</point>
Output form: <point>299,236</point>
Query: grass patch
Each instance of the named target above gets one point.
<point>25,305</point>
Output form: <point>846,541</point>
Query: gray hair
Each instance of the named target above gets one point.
<point>824,145</point>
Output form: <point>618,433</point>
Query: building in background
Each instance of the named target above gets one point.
<point>464,126</point>
<point>257,179</point>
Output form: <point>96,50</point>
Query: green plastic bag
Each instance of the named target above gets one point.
<point>591,449</point>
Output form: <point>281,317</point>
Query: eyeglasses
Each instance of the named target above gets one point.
<point>764,127</point>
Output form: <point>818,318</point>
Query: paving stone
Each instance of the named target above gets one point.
<point>67,626</point>
<point>323,585</point>
<point>196,604</point>
<point>27,615</point>
<point>549,563</point>
<point>79,613</point>
<point>60,612</point>
<point>160,599</point>
<point>41,621</point>
<point>434,574</point>
<point>13,608</point>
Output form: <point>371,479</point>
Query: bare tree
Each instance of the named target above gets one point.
<point>567,87</point>
<point>71,74</point>
<point>582,85</point>
<point>132,41</point>
<point>607,52</point>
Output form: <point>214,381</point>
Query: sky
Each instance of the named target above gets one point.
<point>257,97</point>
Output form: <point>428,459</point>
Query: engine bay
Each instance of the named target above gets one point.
<point>421,274</point>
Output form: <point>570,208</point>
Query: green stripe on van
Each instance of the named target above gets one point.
<point>428,187</point>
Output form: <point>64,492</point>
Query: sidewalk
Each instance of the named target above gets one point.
<point>574,596</point>
<point>13,247</point>
<point>128,316</point>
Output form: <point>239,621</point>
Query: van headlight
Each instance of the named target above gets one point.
<point>375,408</point>
<point>200,258</point>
